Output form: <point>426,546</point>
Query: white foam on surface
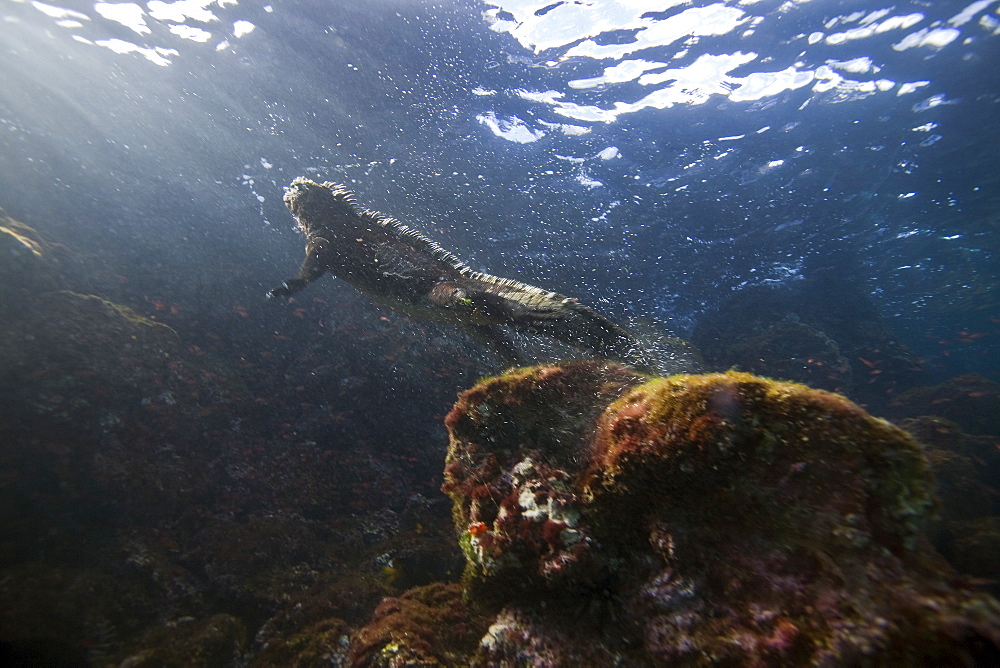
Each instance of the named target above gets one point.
<point>127,14</point>
<point>242,28</point>
<point>52,11</point>
<point>191,33</point>
<point>511,128</point>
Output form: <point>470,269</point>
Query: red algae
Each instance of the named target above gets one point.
<point>425,626</point>
<point>734,438</point>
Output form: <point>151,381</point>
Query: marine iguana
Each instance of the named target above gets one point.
<point>398,267</point>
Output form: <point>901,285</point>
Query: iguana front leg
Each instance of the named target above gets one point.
<point>313,267</point>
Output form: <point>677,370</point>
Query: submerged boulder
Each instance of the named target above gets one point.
<point>721,518</point>
<point>519,443</point>
<point>784,524</point>
<point>971,400</point>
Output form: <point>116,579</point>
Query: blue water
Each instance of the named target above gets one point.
<point>653,159</point>
<point>738,142</point>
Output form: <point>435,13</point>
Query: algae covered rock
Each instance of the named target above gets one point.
<point>788,462</point>
<point>977,548</point>
<point>219,640</point>
<point>323,643</point>
<point>970,400</point>
<point>720,518</point>
<point>787,523</point>
<point>518,441</point>
<point>426,626</point>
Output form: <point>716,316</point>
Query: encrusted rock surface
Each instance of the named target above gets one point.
<point>693,520</point>
<point>156,509</point>
<point>173,496</point>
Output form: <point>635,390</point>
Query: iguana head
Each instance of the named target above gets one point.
<point>310,201</point>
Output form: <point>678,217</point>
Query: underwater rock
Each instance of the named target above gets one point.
<point>960,492</point>
<point>71,365</point>
<point>28,266</point>
<point>944,434</point>
<point>100,404</point>
<point>74,344</point>
<point>81,607</point>
<point>788,525</point>
<point>144,487</point>
<point>966,478</point>
<point>425,626</point>
<point>522,636</point>
<point>517,442</point>
<point>219,640</point>
<point>256,562</point>
<point>966,467</point>
<point>977,549</point>
<point>119,435</point>
<point>794,351</point>
<point>970,400</point>
<point>720,518</point>
<point>324,643</point>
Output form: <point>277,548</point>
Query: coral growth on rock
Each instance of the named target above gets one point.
<point>517,441</point>
<point>787,523</point>
<point>320,644</point>
<point>720,518</point>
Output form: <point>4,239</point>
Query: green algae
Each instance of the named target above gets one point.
<point>122,311</point>
<point>23,234</point>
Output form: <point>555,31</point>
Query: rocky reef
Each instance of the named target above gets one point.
<point>703,519</point>
<point>957,421</point>
<point>161,507</point>
<point>185,484</point>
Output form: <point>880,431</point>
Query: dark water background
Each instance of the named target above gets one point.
<point>164,182</point>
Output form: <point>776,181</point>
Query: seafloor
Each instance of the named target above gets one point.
<point>177,496</point>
